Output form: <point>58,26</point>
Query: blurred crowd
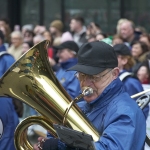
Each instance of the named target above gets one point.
<point>131,43</point>
<point>135,37</point>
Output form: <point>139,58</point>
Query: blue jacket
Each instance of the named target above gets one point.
<point>117,118</point>
<point>68,79</point>
<point>133,86</point>
<point>8,116</point>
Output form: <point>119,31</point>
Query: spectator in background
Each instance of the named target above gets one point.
<point>56,30</point>
<point>145,38</point>
<point>91,38</point>
<point>101,36</point>
<point>127,32</point>
<point>51,50</point>
<point>95,28</point>
<point>78,30</point>
<point>16,27</point>
<point>139,52</point>
<point>47,35</point>
<point>125,63</point>
<point>140,29</point>
<point>26,27</point>
<point>4,22</point>
<point>26,46</point>
<point>5,26</point>
<point>37,39</point>
<point>16,44</point>
<point>28,36</point>
<point>117,40</point>
<point>66,36</point>
<point>92,30</point>
<point>143,73</point>
<point>120,21</point>
<point>3,29</point>
<point>39,29</point>
<point>8,116</point>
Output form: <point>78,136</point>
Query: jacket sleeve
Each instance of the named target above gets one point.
<point>122,133</point>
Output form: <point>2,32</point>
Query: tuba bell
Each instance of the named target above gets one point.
<point>31,80</point>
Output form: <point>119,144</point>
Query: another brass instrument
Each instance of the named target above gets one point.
<point>143,101</point>
<point>32,81</point>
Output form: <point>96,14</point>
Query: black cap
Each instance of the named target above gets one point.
<point>95,57</point>
<point>71,45</point>
<point>122,49</point>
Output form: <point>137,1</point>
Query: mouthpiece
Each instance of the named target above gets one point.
<point>87,91</point>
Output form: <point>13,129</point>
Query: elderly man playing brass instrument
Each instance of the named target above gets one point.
<point>117,118</point>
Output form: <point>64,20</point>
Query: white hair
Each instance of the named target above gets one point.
<point>17,33</point>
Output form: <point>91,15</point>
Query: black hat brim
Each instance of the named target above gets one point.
<point>59,47</point>
<point>90,70</point>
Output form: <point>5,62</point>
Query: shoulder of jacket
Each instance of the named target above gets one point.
<point>3,53</point>
<point>125,75</point>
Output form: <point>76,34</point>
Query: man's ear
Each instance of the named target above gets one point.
<point>115,72</point>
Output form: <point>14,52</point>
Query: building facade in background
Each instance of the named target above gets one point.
<point>104,12</point>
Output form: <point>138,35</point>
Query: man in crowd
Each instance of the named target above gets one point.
<point>117,118</point>
<point>127,32</point>
<point>16,44</point>
<point>78,30</point>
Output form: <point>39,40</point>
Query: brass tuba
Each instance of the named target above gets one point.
<point>32,81</point>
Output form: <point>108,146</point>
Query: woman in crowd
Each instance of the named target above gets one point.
<point>139,52</point>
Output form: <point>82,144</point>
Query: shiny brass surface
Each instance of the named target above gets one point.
<point>142,103</point>
<point>32,81</point>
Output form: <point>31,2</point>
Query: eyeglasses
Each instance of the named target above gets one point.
<point>93,78</point>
